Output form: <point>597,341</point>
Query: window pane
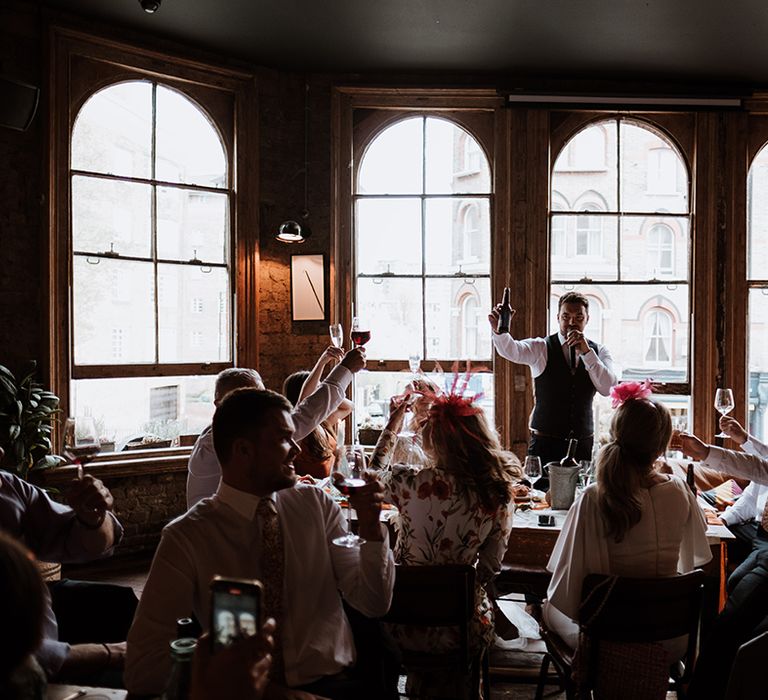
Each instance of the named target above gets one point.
<point>111,216</point>
<point>456,319</point>
<point>161,407</point>
<point>454,160</point>
<point>653,175</point>
<point>458,233</point>
<point>585,169</point>
<point>374,389</point>
<point>193,314</point>
<point>393,309</point>
<point>654,248</point>
<point>627,331</point>
<point>393,162</point>
<point>757,333</point>
<point>189,149</point>
<point>590,247</point>
<point>757,204</point>
<point>192,224</point>
<point>113,312</point>
<point>113,131</point>
<point>388,236</point>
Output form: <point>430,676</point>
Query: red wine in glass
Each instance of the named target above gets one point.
<point>360,338</point>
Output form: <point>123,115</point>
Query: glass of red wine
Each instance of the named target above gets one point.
<point>361,333</point>
<point>351,466</point>
<point>81,441</point>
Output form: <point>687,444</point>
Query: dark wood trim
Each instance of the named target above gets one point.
<point>148,370</point>
<point>139,465</point>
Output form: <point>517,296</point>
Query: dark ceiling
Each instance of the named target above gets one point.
<point>703,41</point>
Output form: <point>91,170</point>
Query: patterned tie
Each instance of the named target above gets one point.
<point>272,569</point>
<point>764,518</point>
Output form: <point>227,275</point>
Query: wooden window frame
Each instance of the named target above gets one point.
<point>81,64</point>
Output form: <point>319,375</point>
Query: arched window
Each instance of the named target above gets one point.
<point>421,242</point>
<point>150,231</point>
<point>658,338</point>
<point>586,152</point>
<point>661,251</point>
<point>617,256</point>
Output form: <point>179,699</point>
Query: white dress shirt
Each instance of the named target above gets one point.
<point>752,502</point>
<point>533,352</point>
<point>204,471</point>
<point>221,535</point>
<point>747,466</point>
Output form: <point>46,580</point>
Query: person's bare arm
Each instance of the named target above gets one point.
<point>330,354</point>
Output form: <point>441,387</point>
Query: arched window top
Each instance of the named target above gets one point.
<point>757,221</point>
<point>114,133</point>
<point>423,155</point>
<point>634,166</point>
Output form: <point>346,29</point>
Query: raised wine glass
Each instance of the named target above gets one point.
<point>351,467</point>
<point>361,333</point>
<point>81,441</point>
<point>414,363</point>
<point>337,334</point>
<point>724,405</point>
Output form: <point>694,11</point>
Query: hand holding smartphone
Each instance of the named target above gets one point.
<point>235,610</point>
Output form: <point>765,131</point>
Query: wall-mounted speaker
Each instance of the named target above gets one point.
<point>18,103</point>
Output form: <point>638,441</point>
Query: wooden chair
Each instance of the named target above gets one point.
<point>440,596</point>
<point>637,611</point>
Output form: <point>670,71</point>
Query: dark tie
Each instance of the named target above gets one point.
<point>272,570</point>
<point>573,358</point>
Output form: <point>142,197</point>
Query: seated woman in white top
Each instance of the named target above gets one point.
<point>633,522</point>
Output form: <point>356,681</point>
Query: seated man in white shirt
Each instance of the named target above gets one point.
<point>233,534</point>
<point>204,472</point>
<point>745,614</point>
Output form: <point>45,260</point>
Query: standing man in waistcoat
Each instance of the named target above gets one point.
<point>567,370</point>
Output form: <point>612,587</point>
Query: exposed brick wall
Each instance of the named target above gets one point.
<point>22,328</point>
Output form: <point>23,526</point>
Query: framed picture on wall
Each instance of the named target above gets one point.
<point>307,288</point>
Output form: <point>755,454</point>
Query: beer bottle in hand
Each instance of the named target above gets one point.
<point>570,459</point>
<point>505,316</point>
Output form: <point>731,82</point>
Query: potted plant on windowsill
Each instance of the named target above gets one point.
<point>27,412</point>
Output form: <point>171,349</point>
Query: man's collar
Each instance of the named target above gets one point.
<point>241,502</point>
<point>561,338</point>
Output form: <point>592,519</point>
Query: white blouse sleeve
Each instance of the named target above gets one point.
<point>580,549</point>
<point>694,548</point>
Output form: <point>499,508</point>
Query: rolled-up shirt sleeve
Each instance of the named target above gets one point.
<point>322,402</point>
<point>531,351</point>
<point>599,366</point>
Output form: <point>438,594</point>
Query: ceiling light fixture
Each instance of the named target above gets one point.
<point>293,231</point>
<point>150,6</point>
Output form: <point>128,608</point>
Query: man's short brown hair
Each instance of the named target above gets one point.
<point>573,298</point>
<point>240,415</point>
<point>236,378</point>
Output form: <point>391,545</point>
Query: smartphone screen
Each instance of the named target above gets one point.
<point>235,610</point>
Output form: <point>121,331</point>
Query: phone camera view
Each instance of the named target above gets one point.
<point>234,617</point>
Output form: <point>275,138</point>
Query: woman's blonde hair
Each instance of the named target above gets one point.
<point>640,432</point>
<point>463,445</point>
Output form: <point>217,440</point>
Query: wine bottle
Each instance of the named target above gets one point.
<point>570,459</point>
<point>690,479</point>
<point>505,315</point>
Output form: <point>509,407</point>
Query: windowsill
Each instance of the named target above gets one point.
<point>122,464</point>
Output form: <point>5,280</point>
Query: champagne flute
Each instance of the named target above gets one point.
<point>360,334</point>
<point>351,468</point>
<point>81,441</point>
<point>337,334</point>
<point>724,405</point>
<point>532,469</point>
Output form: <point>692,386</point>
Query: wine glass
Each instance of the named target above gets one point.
<point>337,334</point>
<point>360,334</point>
<point>350,467</point>
<point>724,405</point>
<point>414,363</point>
<point>532,469</point>
<point>81,441</point>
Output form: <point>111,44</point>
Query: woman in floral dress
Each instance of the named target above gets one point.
<point>457,509</point>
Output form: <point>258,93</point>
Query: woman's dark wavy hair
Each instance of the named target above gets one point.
<point>640,432</point>
<point>316,443</point>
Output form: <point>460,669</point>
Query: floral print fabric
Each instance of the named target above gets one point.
<point>440,523</point>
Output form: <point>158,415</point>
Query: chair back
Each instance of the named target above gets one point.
<point>641,609</point>
<point>434,596</point>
